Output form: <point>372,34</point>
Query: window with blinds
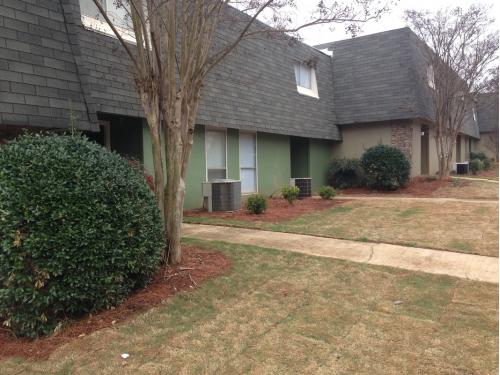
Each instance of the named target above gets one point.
<point>248,162</point>
<point>215,146</point>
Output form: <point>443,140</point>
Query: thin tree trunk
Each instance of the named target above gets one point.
<point>174,197</point>
<point>176,187</point>
<point>179,137</point>
<point>152,112</point>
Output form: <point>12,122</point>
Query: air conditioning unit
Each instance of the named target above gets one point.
<point>222,195</point>
<point>461,168</point>
<point>304,184</point>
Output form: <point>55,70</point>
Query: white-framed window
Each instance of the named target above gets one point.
<point>430,77</point>
<point>216,151</point>
<point>474,113</point>
<point>248,162</point>
<point>92,19</point>
<point>305,78</point>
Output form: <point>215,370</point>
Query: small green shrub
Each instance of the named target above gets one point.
<point>345,173</point>
<point>327,192</point>
<point>79,230</point>
<point>476,165</point>
<point>290,193</point>
<point>256,204</point>
<point>386,167</point>
<point>487,164</point>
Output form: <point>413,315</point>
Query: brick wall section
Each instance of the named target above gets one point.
<point>402,138</point>
<point>39,82</point>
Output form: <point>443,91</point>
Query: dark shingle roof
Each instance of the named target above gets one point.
<point>39,81</point>
<point>487,112</point>
<point>383,77</point>
<point>49,62</point>
<point>372,78</point>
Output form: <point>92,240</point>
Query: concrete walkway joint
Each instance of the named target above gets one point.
<point>468,266</point>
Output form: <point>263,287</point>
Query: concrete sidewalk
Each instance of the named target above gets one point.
<point>475,179</point>
<point>474,267</point>
<point>416,199</point>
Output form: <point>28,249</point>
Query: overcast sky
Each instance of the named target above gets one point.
<point>392,20</point>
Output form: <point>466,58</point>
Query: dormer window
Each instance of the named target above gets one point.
<point>430,77</point>
<point>305,78</point>
<point>117,12</point>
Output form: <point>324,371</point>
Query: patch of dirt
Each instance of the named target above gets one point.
<point>418,187</point>
<point>197,265</point>
<point>277,210</point>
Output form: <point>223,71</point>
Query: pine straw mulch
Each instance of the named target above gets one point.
<point>418,187</point>
<point>197,265</point>
<point>278,209</point>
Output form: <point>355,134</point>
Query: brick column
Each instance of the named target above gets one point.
<point>402,138</point>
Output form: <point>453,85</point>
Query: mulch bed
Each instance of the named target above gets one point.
<point>197,265</point>
<point>277,210</point>
<point>418,187</point>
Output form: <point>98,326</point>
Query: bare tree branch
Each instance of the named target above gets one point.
<point>462,50</point>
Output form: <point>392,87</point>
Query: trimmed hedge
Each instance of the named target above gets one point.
<point>386,167</point>
<point>345,173</point>
<point>79,230</point>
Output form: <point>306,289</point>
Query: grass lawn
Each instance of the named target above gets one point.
<point>288,313</point>
<point>454,226</point>
<point>468,189</point>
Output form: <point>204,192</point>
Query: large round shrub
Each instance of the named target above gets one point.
<point>345,173</point>
<point>79,230</point>
<point>385,167</point>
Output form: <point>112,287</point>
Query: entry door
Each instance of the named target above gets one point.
<point>424,151</point>
<point>459,149</point>
<point>248,163</point>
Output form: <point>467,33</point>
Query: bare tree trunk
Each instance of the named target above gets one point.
<point>176,187</point>
<point>152,112</point>
<point>179,137</point>
<point>174,195</point>
<point>444,166</point>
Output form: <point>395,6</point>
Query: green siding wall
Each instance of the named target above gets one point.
<point>320,154</point>
<point>273,162</point>
<point>233,154</point>
<point>196,172</point>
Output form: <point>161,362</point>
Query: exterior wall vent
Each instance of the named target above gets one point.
<point>304,184</point>
<point>222,195</point>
